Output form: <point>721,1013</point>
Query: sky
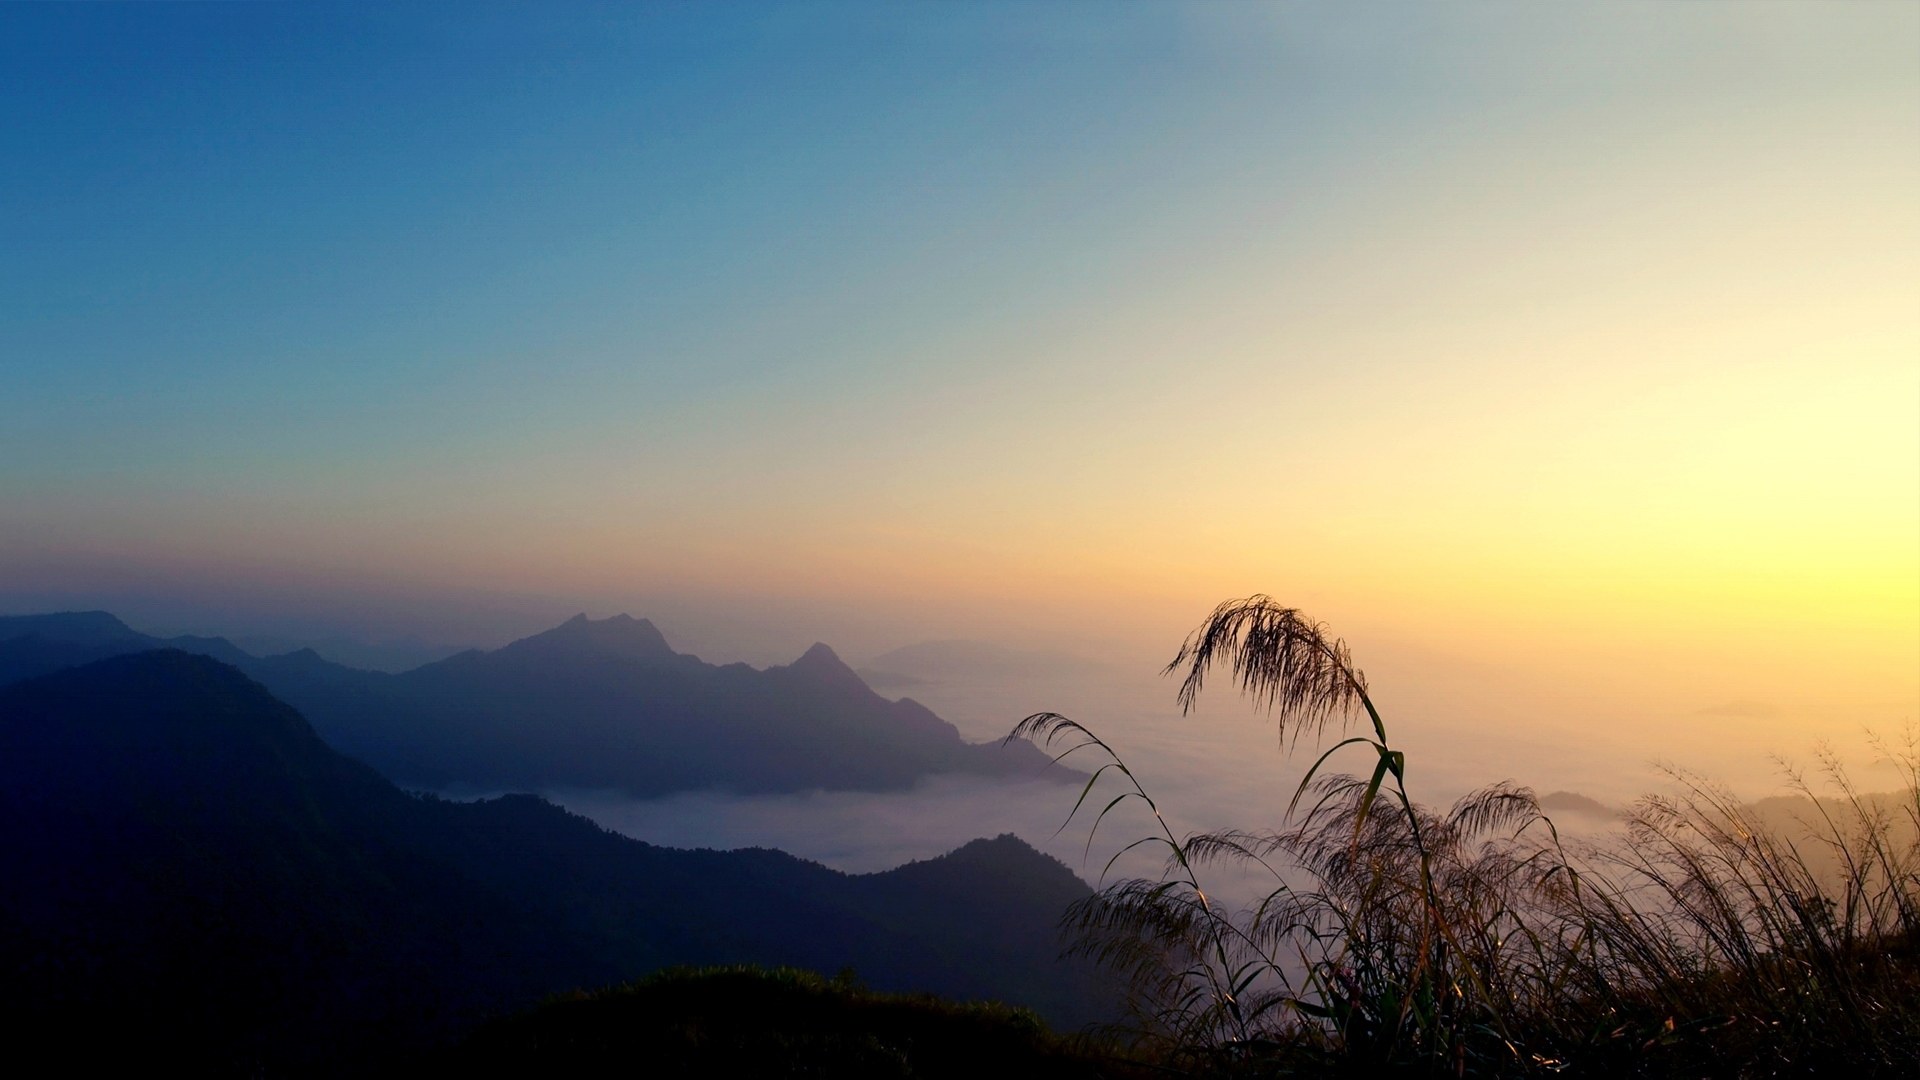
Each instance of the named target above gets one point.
<point>1565,359</point>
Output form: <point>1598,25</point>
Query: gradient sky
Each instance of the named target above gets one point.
<point>1580,340</point>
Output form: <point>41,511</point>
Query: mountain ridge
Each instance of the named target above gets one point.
<point>604,704</point>
<point>180,851</point>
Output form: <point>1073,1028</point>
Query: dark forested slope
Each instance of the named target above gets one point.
<point>184,863</point>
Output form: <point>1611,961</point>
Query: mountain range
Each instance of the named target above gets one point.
<point>189,873</point>
<point>591,703</point>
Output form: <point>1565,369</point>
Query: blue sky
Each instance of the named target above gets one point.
<point>1493,326</point>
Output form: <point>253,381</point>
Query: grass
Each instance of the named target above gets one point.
<point>1473,941</point>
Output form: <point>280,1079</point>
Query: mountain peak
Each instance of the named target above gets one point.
<point>304,656</point>
<point>621,635</point>
<point>820,664</point>
<point>821,658</point>
<point>820,653</point>
<point>1016,864</point>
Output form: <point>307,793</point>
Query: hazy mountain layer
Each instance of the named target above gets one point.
<point>186,867</point>
<point>588,704</point>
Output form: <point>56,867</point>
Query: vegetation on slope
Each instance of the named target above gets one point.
<point>1473,941</point>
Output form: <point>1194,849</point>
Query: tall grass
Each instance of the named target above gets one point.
<point>1474,941</point>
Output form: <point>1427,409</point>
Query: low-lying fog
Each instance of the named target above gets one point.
<point>1224,766</point>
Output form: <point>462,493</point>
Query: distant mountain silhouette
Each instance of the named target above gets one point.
<point>1572,802</point>
<point>619,637</point>
<point>588,704</point>
<point>38,644</point>
<point>189,874</point>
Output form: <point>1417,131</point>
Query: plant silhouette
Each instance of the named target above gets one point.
<point>1474,941</point>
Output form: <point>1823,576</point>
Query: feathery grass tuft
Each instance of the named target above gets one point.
<point>1282,660</point>
<point>1474,942</point>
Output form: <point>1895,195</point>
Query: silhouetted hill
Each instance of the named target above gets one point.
<point>187,873</point>
<point>757,1022</point>
<point>1572,802</point>
<point>39,644</point>
<point>82,627</point>
<point>589,704</point>
<point>619,637</point>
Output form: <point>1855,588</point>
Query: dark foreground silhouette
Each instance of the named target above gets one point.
<point>189,874</point>
<point>760,1022</point>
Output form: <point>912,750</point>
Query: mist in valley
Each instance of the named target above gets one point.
<point>1463,726</point>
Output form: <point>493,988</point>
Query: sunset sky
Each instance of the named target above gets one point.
<point>1583,341</point>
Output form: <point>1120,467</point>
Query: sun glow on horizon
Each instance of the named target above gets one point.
<point>1576,340</point>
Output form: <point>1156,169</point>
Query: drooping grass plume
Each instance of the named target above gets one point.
<point>1701,941</point>
<point>1282,660</point>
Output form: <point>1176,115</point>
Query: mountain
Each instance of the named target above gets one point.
<point>1572,802</point>
<point>188,873</point>
<point>588,704</point>
<point>37,644</point>
<point>619,637</point>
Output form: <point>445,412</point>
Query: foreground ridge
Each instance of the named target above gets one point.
<point>183,862</point>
